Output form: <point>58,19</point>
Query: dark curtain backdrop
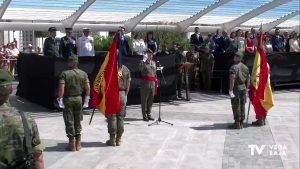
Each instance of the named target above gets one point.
<point>38,76</point>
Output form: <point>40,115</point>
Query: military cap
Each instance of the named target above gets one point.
<point>149,51</point>
<point>5,77</point>
<point>85,29</point>
<point>68,29</point>
<point>239,54</point>
<point>52,29</point>
<point>73,58</point>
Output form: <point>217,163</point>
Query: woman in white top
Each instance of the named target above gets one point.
<point>138,45</point>
<point>240,41</point>
<point>267,43</point>
<point>294,43</point>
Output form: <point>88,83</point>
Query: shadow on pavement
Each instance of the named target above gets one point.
<point>132,119</point>
<point>61,147</point>
<point>215,126</point>
<point>26,106</point>
<point>218,126</point>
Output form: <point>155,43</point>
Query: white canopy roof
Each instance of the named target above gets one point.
<point>137,15</point>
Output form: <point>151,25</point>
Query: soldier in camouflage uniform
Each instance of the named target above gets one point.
<point>12,146</point>
<point>148,84</point>
<point>72,83</point>
<point>115,122</point>
<point>239,79</point>
<point>179,60</point>
<point>51,45</point>
<point>67,46</point>
<point>207,66</point>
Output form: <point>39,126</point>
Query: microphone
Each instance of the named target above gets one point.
<point>158,64</point>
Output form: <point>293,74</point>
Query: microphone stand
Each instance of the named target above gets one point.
<point>157,122</point>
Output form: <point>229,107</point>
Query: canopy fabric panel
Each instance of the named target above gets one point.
<point>109,14</point>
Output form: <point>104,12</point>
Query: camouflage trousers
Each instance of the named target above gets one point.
<point>147,96</point>
<point>115,122</point>
<point>206,79</point>
<point>179,75</point>
<point>238,105</point>
<point>73,116</point>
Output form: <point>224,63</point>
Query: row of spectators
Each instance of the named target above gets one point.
<point>8,55</point>
<point>247,41</point>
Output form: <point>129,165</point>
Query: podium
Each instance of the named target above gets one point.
<point>185,67</point>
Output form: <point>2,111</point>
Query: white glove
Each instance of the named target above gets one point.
<point>60,103</point>
<point>145,57</point>
<point>86,101</point>
<point>231,95</point>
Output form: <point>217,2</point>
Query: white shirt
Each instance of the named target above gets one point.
<point>294,46</point>
<point>139,46</point>
<point>85,46</point>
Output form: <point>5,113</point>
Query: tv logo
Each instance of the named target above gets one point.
<point>272,150</point>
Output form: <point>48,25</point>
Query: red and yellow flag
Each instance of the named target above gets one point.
<point>106,87</point>
<point>260,88</point>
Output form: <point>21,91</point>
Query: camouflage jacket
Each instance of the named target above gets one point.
<point>12,138</point>
<point>124,78</point>
<point>74,80</point>
<point>240,72</point>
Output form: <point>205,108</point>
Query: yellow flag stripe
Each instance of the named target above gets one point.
<point>268,101</point>
<point>255,71</point>
<point>102,86</point>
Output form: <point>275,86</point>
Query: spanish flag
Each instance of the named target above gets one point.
<point>106,87</point>
<point>260,89</point>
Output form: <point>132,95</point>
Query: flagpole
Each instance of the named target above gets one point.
<point>248,111</point>
<point>92,116</point>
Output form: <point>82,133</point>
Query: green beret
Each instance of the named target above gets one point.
<point>5,77</point>
<point>239,54</point>
<point>73,58</point>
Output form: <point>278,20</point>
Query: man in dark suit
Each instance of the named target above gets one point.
<point>122,46</point>
<point>277,42</point>
<point>67,45</point>
<point>196,39</point>
<point>223,43</point>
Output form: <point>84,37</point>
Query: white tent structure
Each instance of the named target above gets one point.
<point>144,15</point>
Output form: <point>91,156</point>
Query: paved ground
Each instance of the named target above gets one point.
<point>197,140</point>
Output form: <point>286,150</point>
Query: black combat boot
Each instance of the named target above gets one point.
<point>264,119</point>
<point>259,122</point>
<point>235,125</point>
<point>145,118</point>
<point>150,118</point>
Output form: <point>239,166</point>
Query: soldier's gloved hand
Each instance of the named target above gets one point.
<point>145,57</point>
<point>231,95</point>
<point>60,103</point>
<point>86,101</point>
